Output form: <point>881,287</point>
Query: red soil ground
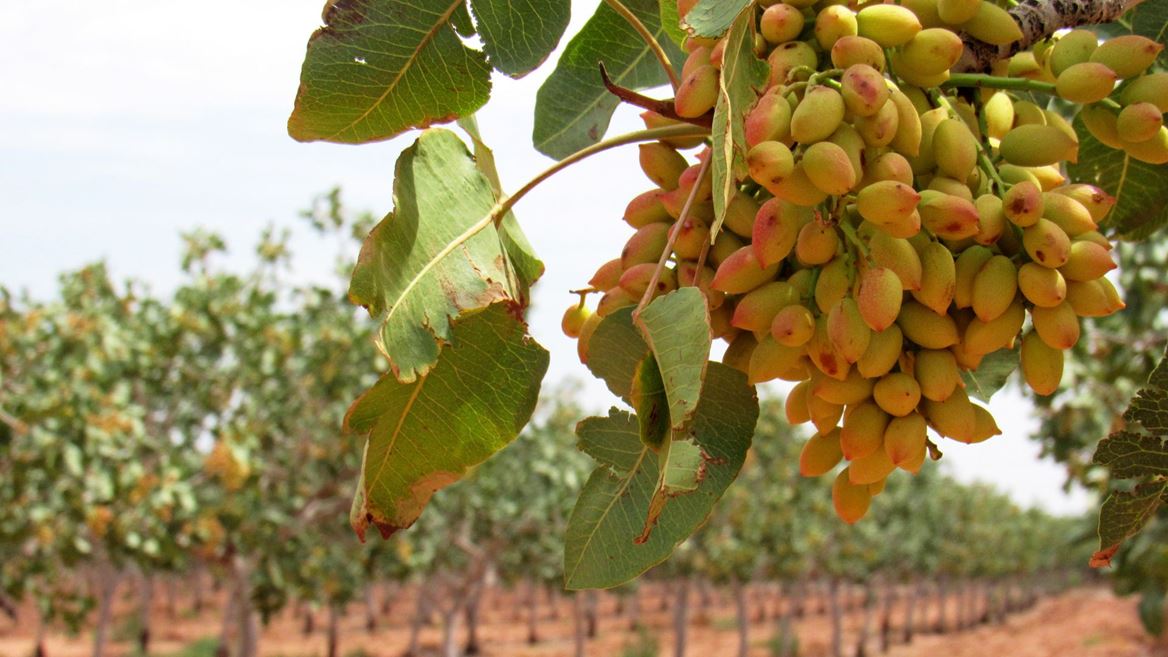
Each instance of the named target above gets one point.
<point>1083,622</point>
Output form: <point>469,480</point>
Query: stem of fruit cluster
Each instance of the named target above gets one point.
<point>650,40</point>
<point>983,154</point>
<point>850,234</point>
<point>504,204</point>
<point>981,80</point>
<point>681,217</point>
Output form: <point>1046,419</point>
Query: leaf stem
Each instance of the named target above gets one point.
<point>681,217</point>
<point>981,80</point>
<point>983,154</point>
<point>505,203</point>
<point>650,40</point>
<point>850,233</point>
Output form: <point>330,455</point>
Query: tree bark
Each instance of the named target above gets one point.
<point>419,618</point>
<point>869,603</point>
<point>249,633</point>
<point>887,602</point>
<point>942,592</point>
<point>107,582</point>
<point>171,598</point>
<point>147,601</point>
<point>741,613</point>
<point>225,629</point>
<point>334,630</point>
<point>580,640</point>
<point>309,625</point>
<point>370,609</point>
<point>198,590</point>
<point>473,602</point>
<point>681,617</point>
<point>38,649</point>
<point>910,606</point>
<point>532,611</point>
<point>449,625</point>
<point>591,600</point>
<point>783,639</point>
<point>634,609</point>
<point>837,619</point>
<point>1038,20</point>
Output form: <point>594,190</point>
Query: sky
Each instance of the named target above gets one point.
<point>128,121</point>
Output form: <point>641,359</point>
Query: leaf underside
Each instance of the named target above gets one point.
<point>380,67</point>
<point>407,275</point>
<point>1140,189</point>
<point>519,34</point>
<point>991,375</point>
<point>425,434</point>
<point>676,327</point>
<point>573,108</point>
<point>606,543</point>
<point>1135,453</point>
<point>712,18</point>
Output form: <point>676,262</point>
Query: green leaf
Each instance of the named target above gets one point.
<point>380,67</point>
<point>1151,609</point>
<point>742,73</point>
<point>600,549</point>
<point>671,22</point>
<point>518,36</point>
<point>682,467</point>
<point>418,268</point>
<point>572,108</point>
<point>650,404</point>
<point>1140,189</point>
<point>616,350</point>
<point>528,268</point>
<point>711,18</point>
<point>1123,515</point>
<point>993,372</point>
<point>1150,19</point>
<point>1136,452</point>
<point>676,326</point>
<point>425,435</point>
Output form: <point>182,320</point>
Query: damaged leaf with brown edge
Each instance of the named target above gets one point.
<point>605,544</point>
<point>380,67</point>
<point>424,435</point>
<point>423,264</point>
<point>1136,453</point>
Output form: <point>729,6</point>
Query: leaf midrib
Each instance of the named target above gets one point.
<point>396,432</point>
<point>580,116</point>
<point>443,21</point>
<point>612,502</point>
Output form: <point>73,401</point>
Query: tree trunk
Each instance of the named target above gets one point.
<point>578,624</point>
<point>681,617</point>
<point>942,591</point>
<point>387,598</point>
<point>171,598</point>
<point>225,629</point>
<point>38,649</point>
<point>553,602</point>
<point>784,639</point>
<point>309,625</point>
<point>910,606</point>
<point>743,621</point>
<point>449,625</point>
<point>473,603</point>
<point>420,614</point>
<point>146,603</point>
<point>198,590</point>
<point>532,611</point>
<point>869,602</point>
<point>591,599</point>
<point>370,609</point>
<point>334,629</point>
<point>635,609</point>
<point>837,619</point>
<point>887,602</point>
<point>666,591</point>
<point>107,582</point>
<point>798,598</point>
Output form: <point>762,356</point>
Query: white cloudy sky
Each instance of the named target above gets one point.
<point>126,121</point>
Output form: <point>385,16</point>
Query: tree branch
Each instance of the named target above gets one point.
<point>1040,19</point>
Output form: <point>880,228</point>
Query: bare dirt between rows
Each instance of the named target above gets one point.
<point>1083,622</point>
